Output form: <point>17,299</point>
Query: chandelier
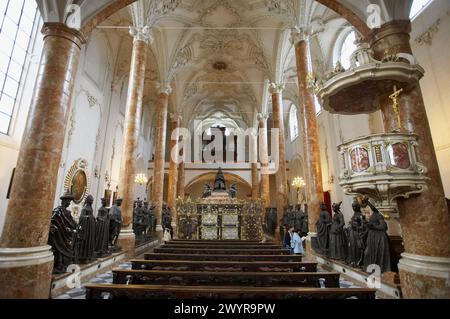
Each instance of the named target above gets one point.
<point>141,179</point>
<point>298,182</point>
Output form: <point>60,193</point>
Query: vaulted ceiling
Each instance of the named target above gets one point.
<point>219,54</point>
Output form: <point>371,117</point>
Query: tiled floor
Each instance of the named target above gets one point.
<point>80,293</point>
<point>107,278</point>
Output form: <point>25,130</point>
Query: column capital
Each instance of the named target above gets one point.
<point>176,117</point>
<point>55,29</point>
<point>141,34</point>
<point>298,35</point>
<point>275,88</point>
<point>164,88</point>
<point>263,117</point>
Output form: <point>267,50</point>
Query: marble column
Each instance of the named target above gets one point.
<point>254,167</point>
<point>26,261</point>
<point>160,154</point>
<point>181,180</point>
<point>310,134</point>
<point>424,219</point>
<point>281,177</point>
<point>173,169</point>
<point>133,115</point>
<point>264,159</point>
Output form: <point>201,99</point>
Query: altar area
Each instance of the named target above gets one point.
<point>219,215</point>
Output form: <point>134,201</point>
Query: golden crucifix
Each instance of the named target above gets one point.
<point>394,97</point>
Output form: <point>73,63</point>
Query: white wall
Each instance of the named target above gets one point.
<point>10,144</point>
<point>433,55</point>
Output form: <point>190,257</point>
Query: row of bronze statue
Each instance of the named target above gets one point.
<point>144,221</point>
<point>92,237</point>
<point>294,216</point>
<point>363,242</point>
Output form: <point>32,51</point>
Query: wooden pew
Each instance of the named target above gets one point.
<point>207,278</point>
<point>224,246</point>
<point>106,291</point>
<point>238,266</point>
<point>196,242</point>
<point>218,257</point>
<point>201,251</point>
<point>206,243</point>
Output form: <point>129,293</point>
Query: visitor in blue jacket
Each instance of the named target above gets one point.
<point>296,242</point>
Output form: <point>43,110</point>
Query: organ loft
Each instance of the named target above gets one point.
<point>181,149</point>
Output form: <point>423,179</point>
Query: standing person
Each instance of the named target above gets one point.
<point>286,237</point>
<point>296,242</point>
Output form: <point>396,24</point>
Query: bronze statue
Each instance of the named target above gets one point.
<point>85,241</point>
<point>304,226</point>
<point>323,230</point>
<point>206,191</point>
<point>271,221</point>
<point>115,223</point>
<point>62,235</point>
<point>233,191</point>
<point>219,183</point>
<point>139,220</point>
<point>102,230</point>
<point>356,236</point>
<point>147,219</point>
<point>377,249</point>
<point>338,245</point>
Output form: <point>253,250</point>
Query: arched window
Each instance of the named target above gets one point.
<point>417,7</point>
<point>347,49</point>
<point>17,18</point>
<point>293,122</point>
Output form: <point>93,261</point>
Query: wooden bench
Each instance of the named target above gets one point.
<point>243,247</point>
<point>218,257</point>
<point>207,278</point>
<point>222,251</point>
<point>197,242</point>
<point>238,266</point>
<point>105,291</point>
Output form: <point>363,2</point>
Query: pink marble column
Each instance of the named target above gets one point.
<point>160,152</point>
<point>133,113</point>
<point>424,219</point>
<point>281,177</point>
<point>26,261</point>
<point>181,180</point>
<point>310,135</point>
<point>173,169</point>
<point>254,166</point>
<point>264,159</point>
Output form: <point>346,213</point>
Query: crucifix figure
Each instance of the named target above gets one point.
<point>394,97</point>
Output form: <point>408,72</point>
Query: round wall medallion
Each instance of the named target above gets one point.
<point>77,181</point>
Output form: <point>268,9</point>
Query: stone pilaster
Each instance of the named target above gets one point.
<point>141,37</point>
<point>276,91</point>
<point>264,160</point>
<point>26,261</point>
<point>160,152</point>
<point>310,135</point>
<point>424,219</point>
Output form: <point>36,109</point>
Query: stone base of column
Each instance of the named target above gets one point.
<point>159,233</point>
<point>127,242</point>
<point>26,273</point>
<point>310,242</point>
<point>424,277</point>
<point>277,238</point>
<point>175,231</point>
